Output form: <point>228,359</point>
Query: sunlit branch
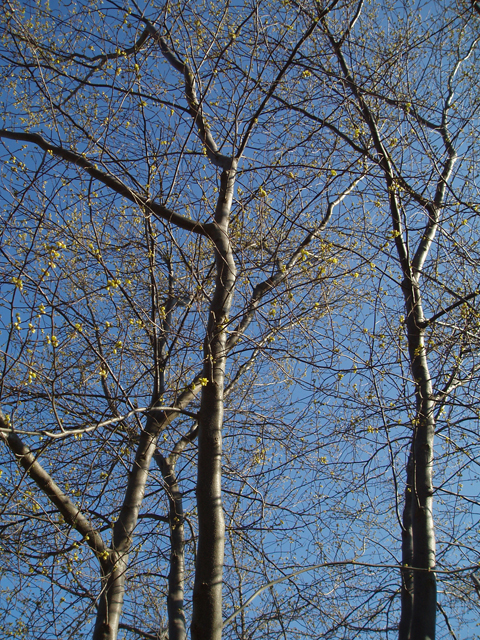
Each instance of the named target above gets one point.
<point>338,563</point>
<point>196,110</point>
<point>456,304</point>
<point>72,515</point>
<point>283,271</point>
<point>108,180</point>
<point>80,432</point>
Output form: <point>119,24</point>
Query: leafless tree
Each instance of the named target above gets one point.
<point>132,256</point>
<point>240,241</point>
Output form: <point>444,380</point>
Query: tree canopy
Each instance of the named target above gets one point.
<point>239,268</point>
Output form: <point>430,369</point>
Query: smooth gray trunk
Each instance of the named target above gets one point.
<point>113,580</point>
<point>111,599</point>
<point>207,593</point>
<point>113,576</point>
<point>424,606</point>
<point>407,557</point>
<point>176,575</point>
<point>176,616</point>
<point>112,567</point>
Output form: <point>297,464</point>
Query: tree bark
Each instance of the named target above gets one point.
<point>113,576</point>
<point>111,598</point>
<point>176,575</point>
<point>424,604</point>
<point>176,615</point>
<point>207,593</point>
<point>407,557</point>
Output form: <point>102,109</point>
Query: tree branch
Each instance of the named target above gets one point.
<point>71,514</point>
<point>116,185</point>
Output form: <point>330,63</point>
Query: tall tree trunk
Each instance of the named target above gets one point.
<point>176,615</point>
<point>423,537</point>
<point>113,575</point>
<point>407,557</point>
<point>207,593</point>
<point>111,598</point>
<point>112,566</point>
<point>113,579</point>
<point>176,575</point>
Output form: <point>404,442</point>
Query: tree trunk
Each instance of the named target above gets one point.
<point>176,575</point>
<point>176,616</point>
<point>113,577</point>
<point>423,538</point>
<point>111,599</point>
<point>407,557</point>
<point>207,593</point>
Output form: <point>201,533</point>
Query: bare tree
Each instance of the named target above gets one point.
<point>404,115</point>
<point>240,241</point>
<point>131,244</point>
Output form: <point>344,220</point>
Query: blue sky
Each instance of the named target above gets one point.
<point>316,435</point>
